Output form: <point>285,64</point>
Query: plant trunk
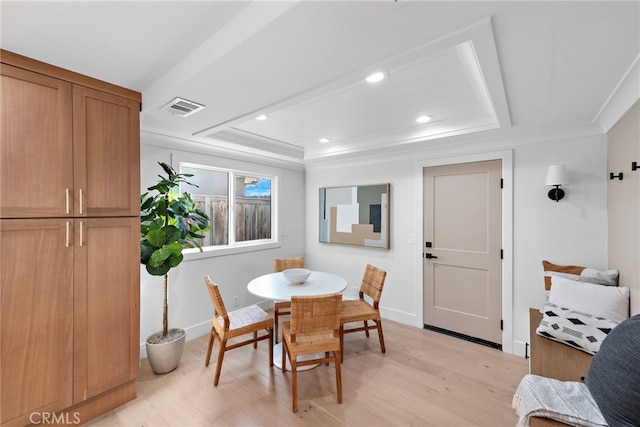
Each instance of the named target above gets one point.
<point>165,306</point>
<point>165,309</point>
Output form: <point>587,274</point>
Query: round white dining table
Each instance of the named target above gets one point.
<point>274,286</point>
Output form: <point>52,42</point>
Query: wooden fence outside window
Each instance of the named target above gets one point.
<point>253,219</point>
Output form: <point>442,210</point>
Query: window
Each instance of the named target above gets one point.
<point>238,204</point>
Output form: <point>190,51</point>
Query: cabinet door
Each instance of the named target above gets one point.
<point>106,297</point>
<point>36,157</point>
<point>106,134</point>
<point>36,330</point>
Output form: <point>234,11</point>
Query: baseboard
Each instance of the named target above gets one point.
<point>522,349</point>
<point>401,317</point>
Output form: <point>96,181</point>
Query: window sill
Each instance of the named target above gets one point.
<point>216,251</point>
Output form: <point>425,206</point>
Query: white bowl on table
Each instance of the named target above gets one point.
<point>295,276</point>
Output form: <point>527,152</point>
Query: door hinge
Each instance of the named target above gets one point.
<point>501,325</point>
<point>501,182</point>
<point>501,253</point>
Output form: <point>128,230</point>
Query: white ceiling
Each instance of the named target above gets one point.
<point>473,67</point>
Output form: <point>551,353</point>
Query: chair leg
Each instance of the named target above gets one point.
<point>255,339</point>
<point>366,330</point>
<point>275,324</point>
<point>341,343</point>
<point>380,336</point>
<point>294,385</point>
<point>337,357</point>
<point>285,350</point>
<point>223,346</point>
<point>212,338</point>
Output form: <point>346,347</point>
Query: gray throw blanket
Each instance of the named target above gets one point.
<point>566,401</point>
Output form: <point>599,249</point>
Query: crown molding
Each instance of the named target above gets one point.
<point>625,94</point>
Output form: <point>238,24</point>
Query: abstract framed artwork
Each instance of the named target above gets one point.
<point>355,215</point>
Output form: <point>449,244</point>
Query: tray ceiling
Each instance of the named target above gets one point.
<point>476,68</point>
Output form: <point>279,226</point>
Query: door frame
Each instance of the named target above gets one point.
<point>507,231</point>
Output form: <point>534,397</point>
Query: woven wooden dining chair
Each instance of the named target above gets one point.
<point>314,328</point>
<point>361,310</point>
<point>227,325</point>
<point>283,308</point>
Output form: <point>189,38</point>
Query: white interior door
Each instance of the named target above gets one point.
<point>462,249</point>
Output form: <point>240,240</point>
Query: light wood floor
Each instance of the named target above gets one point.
<point>424,379</point>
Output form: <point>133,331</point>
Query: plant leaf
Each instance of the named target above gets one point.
<point>167,169</point>
<point>174,248</point>
<point>159,256</point>
<point>158,271</point>
<point>173,234</point>
<point>156,237</point>
<point>145,251</point>
<point>174,259</point>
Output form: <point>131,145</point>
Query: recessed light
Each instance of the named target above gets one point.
<point>262,117</point>
<point>324,140</point>
<point>423,119</point>
<point>375,77</point>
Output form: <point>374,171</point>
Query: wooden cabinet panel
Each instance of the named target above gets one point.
<point>36,299</point>
<point>36,157</point>
<point>66,149</point>
<point>106,135</point>
<point>106,324</point>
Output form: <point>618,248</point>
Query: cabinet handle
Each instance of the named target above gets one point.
<point>81,227</point>
<point>66,245</point>
<point>81,201</point>
<point>66,195</point>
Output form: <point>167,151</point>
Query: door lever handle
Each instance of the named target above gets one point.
<point>430,256</point>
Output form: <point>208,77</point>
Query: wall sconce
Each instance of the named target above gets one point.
<point>556,176</point>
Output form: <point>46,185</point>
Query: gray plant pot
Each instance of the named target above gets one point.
<point>164,353</point>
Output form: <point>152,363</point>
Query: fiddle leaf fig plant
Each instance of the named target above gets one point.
<point>169,222</point>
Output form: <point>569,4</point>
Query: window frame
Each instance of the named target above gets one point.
<point>234,247</point>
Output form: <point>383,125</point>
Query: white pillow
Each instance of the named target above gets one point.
<point>607,277</point>
<point>610,302</point>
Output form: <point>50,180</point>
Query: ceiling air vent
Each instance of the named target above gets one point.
<point>182,107</point>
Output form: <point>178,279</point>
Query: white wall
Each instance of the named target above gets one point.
<point>189,304</point>
<point>624,202</point>
<point>571,231</point>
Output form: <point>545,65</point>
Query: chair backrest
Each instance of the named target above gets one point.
<point>281,264</point>
<point>216,300</point>
<point>372,283</point>
<point>313,314</point>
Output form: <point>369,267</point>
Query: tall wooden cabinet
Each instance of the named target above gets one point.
<point>69,242</point>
